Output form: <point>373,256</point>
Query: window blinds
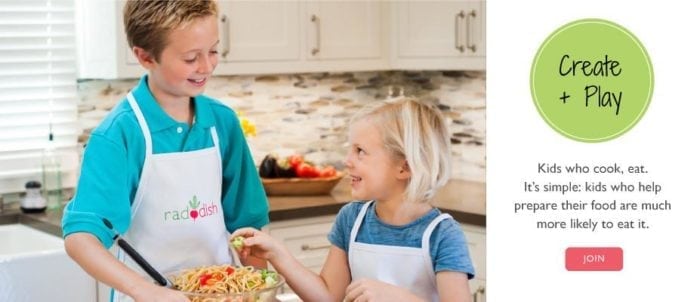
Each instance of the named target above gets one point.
<point>37,89</point>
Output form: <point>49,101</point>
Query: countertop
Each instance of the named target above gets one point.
<point>464,200</point>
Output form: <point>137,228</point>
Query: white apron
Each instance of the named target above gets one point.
<point>177,221</point>
<point>407,267</point>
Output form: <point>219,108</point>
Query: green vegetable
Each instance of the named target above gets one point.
<point>269,277</point>
<point>237,243</point>
<point>270,281</point>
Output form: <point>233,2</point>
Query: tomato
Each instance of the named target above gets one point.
<point>295,160</point>
<point>328,171</point>
<point>306,170</point>
<point>204,279</point>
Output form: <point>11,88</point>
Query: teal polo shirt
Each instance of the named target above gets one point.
<point>115,154</point>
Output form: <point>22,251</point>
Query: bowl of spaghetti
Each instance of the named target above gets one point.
<point>226,283</point>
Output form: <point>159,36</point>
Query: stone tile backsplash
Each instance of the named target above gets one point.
<point>308,113</point>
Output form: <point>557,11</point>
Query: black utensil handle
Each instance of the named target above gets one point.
<point>142,262</point>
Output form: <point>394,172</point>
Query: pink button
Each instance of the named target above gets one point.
<point>594,259</point>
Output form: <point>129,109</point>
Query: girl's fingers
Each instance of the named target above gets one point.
<point>245,232</point>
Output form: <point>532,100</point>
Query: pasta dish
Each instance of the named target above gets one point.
<point>224,279</point>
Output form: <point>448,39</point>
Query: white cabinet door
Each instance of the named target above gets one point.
<point>103,52</point>
<point>259,31</point>
<point>344,30</point>
<point>478,288</point>
<point>305,238</point>
<point>444,34</point>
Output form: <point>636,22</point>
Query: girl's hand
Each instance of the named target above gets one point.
<point>367,290</point>
<point>155,293</point>
<point>255,243</point>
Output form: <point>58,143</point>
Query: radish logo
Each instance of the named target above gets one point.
<point>194,203</point>
<point>195,209</point>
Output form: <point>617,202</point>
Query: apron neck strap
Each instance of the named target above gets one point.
<point>142,122</point>
<point>358,221</point>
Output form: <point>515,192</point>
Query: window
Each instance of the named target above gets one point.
<point>37,89</point>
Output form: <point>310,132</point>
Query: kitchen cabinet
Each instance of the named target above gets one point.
<point>476,242</point>
<point>262,31</point>
<point>439,35</point>
<point>344,30</point>
<point>256,37</point>
<point>302,36</point>
<point>263,37</point>
<point>305,238</point>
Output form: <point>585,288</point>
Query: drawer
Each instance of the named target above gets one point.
<point>306,239</point>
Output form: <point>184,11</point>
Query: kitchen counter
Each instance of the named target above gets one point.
<point>464,200</point>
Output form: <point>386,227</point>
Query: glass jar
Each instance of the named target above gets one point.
<point>51,176</point>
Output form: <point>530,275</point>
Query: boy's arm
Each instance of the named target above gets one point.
<point>244,200</point>
<point>88,252</point>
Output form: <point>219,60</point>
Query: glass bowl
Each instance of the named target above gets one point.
<point>267,294</point>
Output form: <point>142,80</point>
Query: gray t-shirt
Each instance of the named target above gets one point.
<point>448,247</point>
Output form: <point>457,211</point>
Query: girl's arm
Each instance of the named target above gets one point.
<point>453,287</point>
<point>88,252</point>
<point>336,273</point>
<point>329,286</point>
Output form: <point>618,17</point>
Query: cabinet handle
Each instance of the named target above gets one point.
<point>227,36</point>
<point>458,45</point>
<point>307,247</point>
<point>481,291</point>
<point>316,20</point>
<point>470,45</point>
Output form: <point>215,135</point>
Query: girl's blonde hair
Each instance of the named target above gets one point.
<point>417,133</point>
<point>148,22</point>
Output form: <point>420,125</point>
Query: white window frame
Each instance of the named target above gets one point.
<point>37,89</point>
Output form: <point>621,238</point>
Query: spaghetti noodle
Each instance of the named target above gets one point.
<point>224,279</point>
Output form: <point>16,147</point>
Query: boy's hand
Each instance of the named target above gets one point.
<point>252,242</point>
<point>155,293</point>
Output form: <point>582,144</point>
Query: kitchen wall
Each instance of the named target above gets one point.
<point>308,113</point>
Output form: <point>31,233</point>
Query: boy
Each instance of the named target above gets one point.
<point>169,168</point>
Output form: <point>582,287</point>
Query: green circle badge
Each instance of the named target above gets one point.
<point>591,80</point>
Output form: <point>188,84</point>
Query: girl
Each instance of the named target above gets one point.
<point>395,247</point>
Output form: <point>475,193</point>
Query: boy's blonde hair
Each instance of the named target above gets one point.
<point>417,133</point>
<point>148,22</point>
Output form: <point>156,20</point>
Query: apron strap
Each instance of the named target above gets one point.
<point>142,122</point>
<point>425,244</point>
<point>358,221</point>
<point>356,228</point>
<point>214,137</point>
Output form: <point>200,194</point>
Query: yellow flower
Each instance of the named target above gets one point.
<point>248,127</point>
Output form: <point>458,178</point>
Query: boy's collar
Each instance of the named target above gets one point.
<point>158,119</point>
